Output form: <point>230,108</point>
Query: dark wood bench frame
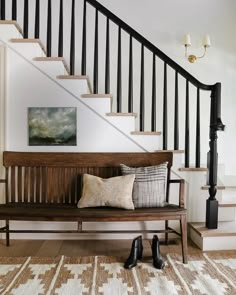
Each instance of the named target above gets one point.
<point>45,187</point>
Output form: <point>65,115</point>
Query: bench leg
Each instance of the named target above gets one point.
<point>184,239</point>
<point>7,234</point>
<point>166,233</point>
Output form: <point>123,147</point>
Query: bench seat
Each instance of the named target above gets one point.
<point>66,213</point>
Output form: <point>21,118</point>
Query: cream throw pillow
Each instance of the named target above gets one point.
<point>110,192</point>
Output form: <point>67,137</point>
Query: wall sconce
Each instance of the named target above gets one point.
<point>187,43</point>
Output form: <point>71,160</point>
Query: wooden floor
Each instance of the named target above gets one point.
<point>120,248</point>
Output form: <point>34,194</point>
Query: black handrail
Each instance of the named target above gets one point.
<point>149,45</point>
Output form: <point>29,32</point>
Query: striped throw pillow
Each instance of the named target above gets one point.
<point>149,188</point>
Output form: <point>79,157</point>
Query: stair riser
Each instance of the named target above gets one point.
<point>8,32</point>
<point>213,243</point>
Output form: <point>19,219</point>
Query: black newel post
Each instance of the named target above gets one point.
<point>212,158</point>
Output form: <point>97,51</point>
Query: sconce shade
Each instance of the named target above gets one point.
<point>187,40</point>
<point>206,41</point>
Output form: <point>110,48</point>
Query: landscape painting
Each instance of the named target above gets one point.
<point>52,126</point>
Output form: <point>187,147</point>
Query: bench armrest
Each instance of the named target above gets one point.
<point>181,183</point>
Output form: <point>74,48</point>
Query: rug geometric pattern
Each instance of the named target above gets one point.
<point>204,274</point>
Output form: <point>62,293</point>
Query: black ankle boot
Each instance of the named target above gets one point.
<point>156,254</point>
<point>135,253</point>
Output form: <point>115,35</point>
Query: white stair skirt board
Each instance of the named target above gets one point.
<point>76,86</point>
<point>28,49</point>
<point>151,225</point>
<point>149,142</point>
<point>50,68</point>
<point>101,105</point>
<point>223,238</point>
<point>8,31</point>
<point>126,123</point>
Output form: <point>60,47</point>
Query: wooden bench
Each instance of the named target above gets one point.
<point>46,187</point>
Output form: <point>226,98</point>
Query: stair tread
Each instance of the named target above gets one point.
<point>97,95</point>
<point>12,22</point>
<point>122,114</point>
<point>146,133</point>
<point>225,228</point>
<point>53,58</point>
<point>193,169</point>
<point>72,77</point>
<point>227,205</point>
<point>220,187</point>
<point>29,40</point>
<point>170,151</point>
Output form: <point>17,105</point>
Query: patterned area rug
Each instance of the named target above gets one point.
<point>212,274</point>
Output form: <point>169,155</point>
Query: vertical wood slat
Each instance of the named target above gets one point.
<point>176,118</point>
<point>60,34</point>
<point>153,117</point>
<point>44,185</point>
<point>32,187</point>
<point>61,186</point>
<point>68,186</point>
<point>14,10</point>
<point>198,132</point>
<point>130,90</point>
<point>3,10</point>
<point>72,40</point>
<point>84,47</point>
<point>107,65</point>
<point>49,29</point>
<point>38,184</point>
<point>95,67</point>
<point>26,19</point>
<point>119,75</point>
<point>49,194</point>
<point>13,184</point>
<point>19,184</point>
<point>55,182</point>
<point>73,182</point>
<point>37,19</point>
<point>187,134</point>
<point>7,185</point>
<point>26,184</point>
<point>165,117</point>
<point>142,103</point>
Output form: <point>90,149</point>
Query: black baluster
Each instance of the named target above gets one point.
<point>26,19</point>
<point>176,120</point>
<point>107,65</point>
<point>83,62</point>
<point>165,122</point>
<point>130,90</point>
<point>187,135</point>
<point>14,10</point>
<point>119,76</point>
<point>153,119</point>
<point>3,10</point>
<point>198,130</point>
<point>60,35</point>
<point>142,104</point>
<point>72,40</point>
<point>37,19</point>
<point>49,29</point>
<point>95,68</point>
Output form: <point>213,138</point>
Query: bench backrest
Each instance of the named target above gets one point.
<point>42,177</point>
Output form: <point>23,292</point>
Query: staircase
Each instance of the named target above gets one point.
<point>114,118</point>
